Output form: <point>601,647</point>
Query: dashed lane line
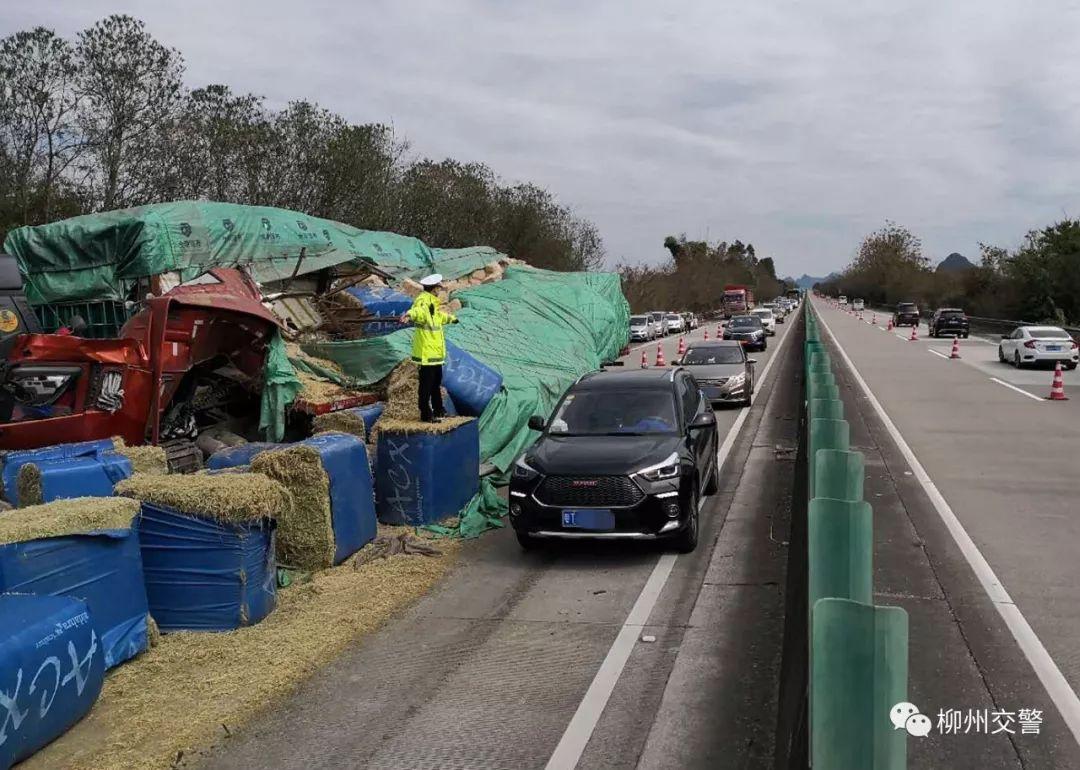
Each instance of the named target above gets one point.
<point>1021,391</point>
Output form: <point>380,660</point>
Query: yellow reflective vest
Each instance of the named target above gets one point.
<point>428,342</point>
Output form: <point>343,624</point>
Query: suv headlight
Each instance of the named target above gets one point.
<point>668,469</point>
<point>523,471</point>
<point>736,381</point>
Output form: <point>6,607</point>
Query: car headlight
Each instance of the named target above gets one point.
<point>523,471</point>
<point>668,469</point>
<point>736,381</point>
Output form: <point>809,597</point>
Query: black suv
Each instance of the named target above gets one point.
<point>748,330</point>
<point>949,321</point>
<point>907,314</point>
<point>626,455</point>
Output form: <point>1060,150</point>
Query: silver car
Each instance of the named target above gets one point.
<point>659,319</point>
<point>722,370</point>
<point>642,329</point>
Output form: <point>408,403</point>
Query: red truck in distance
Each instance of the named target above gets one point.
<point>737,300</point>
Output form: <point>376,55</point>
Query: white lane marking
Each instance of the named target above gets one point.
<point>901,337</point>
<point>1021,391</point>
<point>936,353</point>
<point>1057,687</point>
<point>578,733</point>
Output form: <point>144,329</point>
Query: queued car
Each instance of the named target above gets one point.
<point>858,305</point>
<point>906,314</point>
<point>1038,345</point>
<point>659,319</point>
<point>843,300</point>
<point>722,369</point>
<point>675,323</point>
<point>768,319</point>
<point>642,329</point>
<point>748,331</point>
<point>949,321</point>
<point>626,455</point>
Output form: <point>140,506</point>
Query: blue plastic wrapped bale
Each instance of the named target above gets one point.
<point>369,414</point>
<point>381,328</point>
<point>205,575</point>
<point>51,671</point>
<point>86,476</point>
<point>470,383</point>
<point>230,457</point>
<point>381,301</point>
<point>424,477</point>
<point>101,566</point>
<point>13,461</point>
<point>352,494</point>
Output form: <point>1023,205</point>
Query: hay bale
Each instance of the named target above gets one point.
<point>229,498</point>
<point>28,485</point>
<point>74,516</point>
<point>373,280</point>
<point>445,425</point>
<point>305,536</point>
<point>342,421</point>
<point>478,274</point>
<point>316,390</point>
<point>453,306</point>
<point>146,459</point>
<point>403,392</point>
<point>410,288</point>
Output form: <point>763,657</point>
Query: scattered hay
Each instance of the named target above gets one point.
<point>445,425</point>
<point>235,497</point>
<point>193,689</point>
<point>74,516</point>
<point>153,633</point>
<point>403,393</point>
<point>385,546</point>
<point>341,421</point>
<point>151,460</point>
<point>28,485</point>
<point>305,536</point>
<point>318,391</point>
<point>294,350</point>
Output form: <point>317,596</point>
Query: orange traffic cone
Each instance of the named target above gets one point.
<point>914,334</point>
<point>719,332</point>
<point>644,360</point>
<point>874,322</point>
<point>1057,390</point>
<point>682,346</point>
<point>955,348</point>
<point>890,324</point>
<point>660,355</point>
<point>706,335</point>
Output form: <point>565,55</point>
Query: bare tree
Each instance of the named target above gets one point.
<point>130,84</point>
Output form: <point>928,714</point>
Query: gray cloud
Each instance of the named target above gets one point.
<point>797,126</point>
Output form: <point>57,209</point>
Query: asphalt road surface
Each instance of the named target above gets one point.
<point>599,655</point>
<point>974,480</point>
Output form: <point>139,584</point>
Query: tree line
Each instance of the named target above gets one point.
<point>105,121</point>
<point>1037,281</point>
<point>694,277</point>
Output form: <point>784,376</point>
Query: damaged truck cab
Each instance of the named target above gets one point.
<point>190,358</point>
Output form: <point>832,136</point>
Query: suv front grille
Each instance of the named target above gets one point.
<point>599,491</point>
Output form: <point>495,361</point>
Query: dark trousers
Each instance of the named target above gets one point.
<point>431,404</point>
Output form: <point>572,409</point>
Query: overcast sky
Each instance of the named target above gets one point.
<point>798,127</point>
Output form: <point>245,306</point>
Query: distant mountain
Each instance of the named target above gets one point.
<point>808,281</point>
<point>954,262</point>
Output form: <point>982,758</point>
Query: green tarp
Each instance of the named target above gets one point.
<point>97,257</point>
<point>540,330</point>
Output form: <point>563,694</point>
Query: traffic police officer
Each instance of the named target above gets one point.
<point>429,345</point>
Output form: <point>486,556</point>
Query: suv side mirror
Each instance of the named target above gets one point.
<point>751,361</point>
<point>704,420</point>
<point>536,422</point>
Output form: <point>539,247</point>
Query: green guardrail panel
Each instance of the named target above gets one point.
<point>839,474</point>
<point>824,392</point>
<point>827,408</point>
<point>825,434</point>
<point>859,671</point>
<point>841,550</point>
<point>821,378</point>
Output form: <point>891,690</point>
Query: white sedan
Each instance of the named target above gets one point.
<point>768,320</point>
<point>1038,344</point>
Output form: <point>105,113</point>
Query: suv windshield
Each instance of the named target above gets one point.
<point>638,320</point>
<point>952,313</point>
<point>674,317</point>
<point>615,412</point>
<point>905,307</point>
<point>764,312</point>
<point>718,354</point>
<point>745,322</point>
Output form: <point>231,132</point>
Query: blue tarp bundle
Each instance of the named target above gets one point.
<point>103,568</point>
<point>425,477</point>
<point>369,414</point>
<point>13,461</point>
<point>51,671</point>
<point>204,575</point>
<point>381,301</point>
<point>230,457</point>
<point>345,460</point>
<point>470,383</point>
<point>352,494</point>
<point>90,476</point>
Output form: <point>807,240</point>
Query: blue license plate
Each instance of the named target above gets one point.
<point>595,519</point>
<point>1053,348</point>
